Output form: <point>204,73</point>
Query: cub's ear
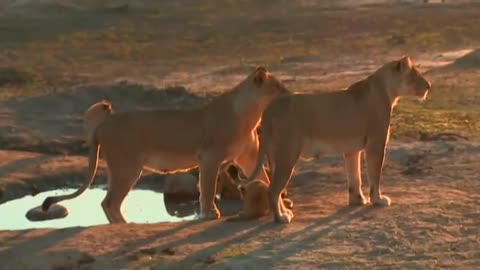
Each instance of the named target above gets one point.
<point>259,77</point>
<point>232,171</point>
<point>106,105</point>
<point>404,64</point>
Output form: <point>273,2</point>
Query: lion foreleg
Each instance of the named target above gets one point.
<point>352,168</point>
<point>280,180</point>
<point>375,155</point>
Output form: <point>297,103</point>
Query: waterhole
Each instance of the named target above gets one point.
<point>140,206</point>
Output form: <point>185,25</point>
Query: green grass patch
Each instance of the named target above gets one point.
<point>446,110</point>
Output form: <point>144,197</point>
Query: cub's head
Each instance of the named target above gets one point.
<point>254,193</point>
<point>96,114</point>
<point>255,198</point>
<point>265,84</point>
<point>404,79</point>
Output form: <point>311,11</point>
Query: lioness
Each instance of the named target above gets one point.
<point>348,122</point>
<point>254,195</point>
<point>98,112</point>
<point>173,140</point>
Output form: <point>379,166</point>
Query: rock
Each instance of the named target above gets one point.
<point>169,251</point>
<point>56,211</point>
<point>85,259</point>
<point>149,251</point>
<point>181,185</point>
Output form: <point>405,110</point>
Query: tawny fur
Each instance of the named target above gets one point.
<point>174,140</point>
<point>93,117</point>
<point>254,195</point>
<point>348,122</point>
<point>227,188</point>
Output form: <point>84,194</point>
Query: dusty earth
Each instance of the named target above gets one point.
<point>430,171</point>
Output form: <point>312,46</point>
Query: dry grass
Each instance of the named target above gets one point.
<point>433,221</point>
<point>79,46</point>
<point>76,46</point>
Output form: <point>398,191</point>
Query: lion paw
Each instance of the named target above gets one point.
<point>382,201</point>
<point>210,215</point>
<point>288,203</point>
<point>289,212</point>
<point>284,218</point>
<point>357,200</point>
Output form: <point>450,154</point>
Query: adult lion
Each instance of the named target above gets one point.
<point>173,140</point>
<point>348,122</point>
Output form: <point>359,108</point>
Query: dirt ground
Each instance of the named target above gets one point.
<point>57,58</point>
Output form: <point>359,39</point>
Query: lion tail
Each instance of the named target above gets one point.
<point>92,169</point>
<point>261,157</point>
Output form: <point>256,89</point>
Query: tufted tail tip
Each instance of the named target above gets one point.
<point>47,203</point>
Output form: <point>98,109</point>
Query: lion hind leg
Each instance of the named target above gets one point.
<point>209,168</point>
<point>121,179</point>
<point>106,208</point>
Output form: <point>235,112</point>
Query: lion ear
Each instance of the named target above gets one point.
<point>106,105</point>
<point>404,64</point>
<point>259,77</point>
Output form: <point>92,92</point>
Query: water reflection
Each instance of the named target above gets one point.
<point>180,206</point>
<point>140,206</point>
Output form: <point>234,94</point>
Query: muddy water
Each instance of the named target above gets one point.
<point>140,206</point>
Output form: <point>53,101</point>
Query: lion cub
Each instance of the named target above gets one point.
<point>254,195</point>
<point>176,140</point>
<point>347,122</point>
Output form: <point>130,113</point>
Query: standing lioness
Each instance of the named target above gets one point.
<point>348,122</point>
<point>172,140</point>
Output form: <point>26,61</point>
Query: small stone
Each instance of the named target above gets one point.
<point>85,259</point>
<point>133,257</point>
<point>209,260</point>
<point>54,212</point>
<point>149,251</point>
<point>168,251</point>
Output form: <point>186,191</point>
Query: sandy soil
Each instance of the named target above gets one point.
<point>433,223</point>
